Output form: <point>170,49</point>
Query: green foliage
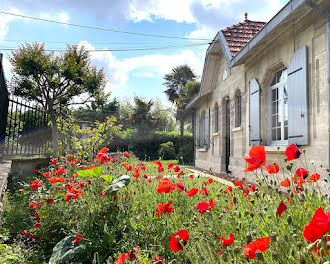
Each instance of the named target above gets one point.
<point>117,184</point>
<point>85,140</point>
<point>65,250</point>
<point>167,150</point>
<point>94,172</point>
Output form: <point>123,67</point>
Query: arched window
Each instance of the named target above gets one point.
<point>216,118</point>
<point>278,103</point>
<point>202,130</point>
<point>238,109</point>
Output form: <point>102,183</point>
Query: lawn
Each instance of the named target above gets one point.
<point>99,216</point>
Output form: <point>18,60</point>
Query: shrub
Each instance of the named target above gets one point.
<point>167,151</point>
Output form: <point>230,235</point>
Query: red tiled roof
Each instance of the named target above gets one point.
<point>237,36</point>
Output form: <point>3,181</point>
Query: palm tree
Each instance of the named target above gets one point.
<point>180,90</point>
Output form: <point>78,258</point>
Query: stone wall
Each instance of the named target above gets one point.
<point>5,167</point>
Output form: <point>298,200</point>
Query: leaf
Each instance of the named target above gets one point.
<point>108,178</point>
<point>94,172</point>
<point>65,250</point>
<point>118,183</point>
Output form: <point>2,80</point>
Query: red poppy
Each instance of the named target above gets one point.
<point>281,208</point>
<point>55,180</point>
<point>318,226</point>
<point>50,201</point>
<point>191,176</point>
<point>149,181</point>
<point>61,170</point>
<point>129,168</point>
<point>165,186</point>
<point>209,181</point>
<point>78,238</point>
<point>239,184</point>
<point>285,183</point>
<point>121,258</point>
<point>169,166</point>
<point>205,192</point>
<point>164,208</point>
<point>260,244</point>
<point>203,207</point>
<point>35,171</point>
<point>161,169</point>
<point>179,240</point>
<point>126,155</point>
<point>253,188</point>
<point>36,215</point>
<point>256,158</point>
<point>32,236</point>
<point>212,203</point>
<point>103,193</point>
<point>35,184</point>
<point>33,204</point>
<point>157,260</point>
<point>313,178</point>
<point>158,163</point>
<point>82,185</point>
<point>292,152</point>
<point>132,253</point>
<point>229,189</point>
<point>272,168</point>
<point>37,225</point>
<point>302,172</point>
<point>226,242</point>
<point>143,168</point>
<point>104,150</point>
<point>179,187</point>
<point>192,192</point>
<point>25,233</point>
<point>176,168</point>
<point>83,162</point>
<point>73,194</point>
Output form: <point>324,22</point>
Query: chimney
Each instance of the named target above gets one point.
<point>246,16</point>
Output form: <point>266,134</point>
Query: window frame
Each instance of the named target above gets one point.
<point>238,110</point>
<point>216,118</point>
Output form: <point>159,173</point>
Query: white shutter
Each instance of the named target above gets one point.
<point>197,130</point>
<point>207,128</point>
<point>254,126</point>
<point>298,99</point>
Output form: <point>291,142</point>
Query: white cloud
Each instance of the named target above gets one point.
<point>118,71</point>
<point>6,19</point>
<point>60,16</point>
<point>7,68</point>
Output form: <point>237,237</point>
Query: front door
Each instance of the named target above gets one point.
<point>227,134</point>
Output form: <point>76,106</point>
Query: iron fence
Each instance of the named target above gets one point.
<point>27,129</point>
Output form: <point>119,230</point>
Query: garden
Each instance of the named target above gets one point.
<point>115,208</point>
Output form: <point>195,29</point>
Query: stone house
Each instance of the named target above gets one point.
<point>265,84</point>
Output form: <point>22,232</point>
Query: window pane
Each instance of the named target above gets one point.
<point>274,120</point>
<point>274,134</point>
<point>278,133</point>
<point>274,95</point>
<point>285,133</point>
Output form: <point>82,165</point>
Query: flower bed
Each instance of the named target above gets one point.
<point>111,210</point>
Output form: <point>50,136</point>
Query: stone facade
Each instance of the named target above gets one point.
<point>274,52</point>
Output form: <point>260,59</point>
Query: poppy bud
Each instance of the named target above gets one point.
<point>237,250</point>
<point>292,252</point>
<point>253,233</point>
<point>273,236</point>
<point>252,214</point>
<point>256,194</point>
<point>237,228</point>
<point>248,238</point>
<point>289,219</point>
<point>299,244</point>
<point>295,236</point>
<point>259,255</point>
<point>252,201</point>
<point>289,167</point>
<point>234,199</point>
<point>275,255</point>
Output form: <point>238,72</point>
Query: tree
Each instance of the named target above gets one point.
<point>54,81</point>
<point>181,87</point>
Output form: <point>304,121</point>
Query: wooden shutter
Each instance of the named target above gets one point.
<point>298,99</point>
<point>197,130</point>
<point>207,127</point>
<point>255,139</point>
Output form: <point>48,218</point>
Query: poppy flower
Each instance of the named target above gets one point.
<point>104,150</point>
<point>37,225</point>
<point>25,233</point>
<point>132,253</point>
<point>160,169</point>
<point>205,192</point>
<point>191,176</point>
<point>61,170</point>
<point>212,203</point>
<point>50,201</point>
<point>318,226</point>
<point>281,208</point>
<point>32,236</point>
<point>78,238</point>
<point>55,180</point>
<point>164,208</point>
<point>314,177</point>
<point>126,155</point>
<point>285,183</point>
<point>121,258</point>
<point>165,186</point>
<point>35,171</point>
<point>129,168</point>
<point>209,181</point>
<point>157,260</point>
<point>157,162</point>
<point>256,158</point>
<point>229,189</point>
<point>192,192</point>
<point>149,181</point>
<point>169,166</point>
<point>292,152</point>
<point>179,240</point>
<point>35,184</point>
<point>203,207</point>
<point>176,168</point>
<point>179,187</point>
<point>253,188</point>
<point>302,172</point>
<point>226,242</point>
<point>47,174</point>
<point>143,168</point>
<point>33,204</point>
<point>73,194</point>
<point>239,184</point>
<point>260,244</point>
<point>272,168</point>
<point>36,215</point>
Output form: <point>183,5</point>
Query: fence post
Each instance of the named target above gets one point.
<point>4,103</point>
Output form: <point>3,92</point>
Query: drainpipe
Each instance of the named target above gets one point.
<point>326,13</point>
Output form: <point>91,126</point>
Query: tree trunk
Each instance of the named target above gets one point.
<point>181,130</point>
<point>54,133</point>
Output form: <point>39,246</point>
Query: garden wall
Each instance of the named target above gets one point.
<point>22,167</point>
<point>5,167</point>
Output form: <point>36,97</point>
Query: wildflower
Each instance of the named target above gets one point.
<point>179,240</point>
<point>272,168</point>
<point>55,180</point>
<point>143,168</point>
<point>226,242</point>
<point>78,238</point>
<point>192,192</point>
<point>165,186</point>
<point>260,244</point>
<point>157,162</point>
<point>36,215</point>
<point>302,172</point>
<point>81,184</point>
<point>161,169</point>
<point>73,194</point>
<point>33,204</point>
<point>121,258</point>
<point>205,192</point>
<point>281,208</point>
<point>103,193</point>
<point>212,203</point>
<point>157,260</point>
<point>191,176</point>
<point>37,225</point>
<point>35,171</point>
<point>50,201</point>
<point>132,253</point>
<point>164,208</point>
<point>104,150</point>
<point>35,184</point>
<point>229,189</point>
<point>256,158</point>
<point>170,165</point>
<point>126,155</point>
<point>25,233</point>
<point>203,207</point>
<point>285,183</point>
<point>179,187</point>
<point>61,170</point>
<point>32,236</point>
<point>318,226</point>
<point>176,168</point>
<point>292,152</point>
<point>47,174</point>
<point>149,181</point>
<point>314,177</point>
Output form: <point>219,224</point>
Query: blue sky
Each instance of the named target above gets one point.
<point>132,72</point>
